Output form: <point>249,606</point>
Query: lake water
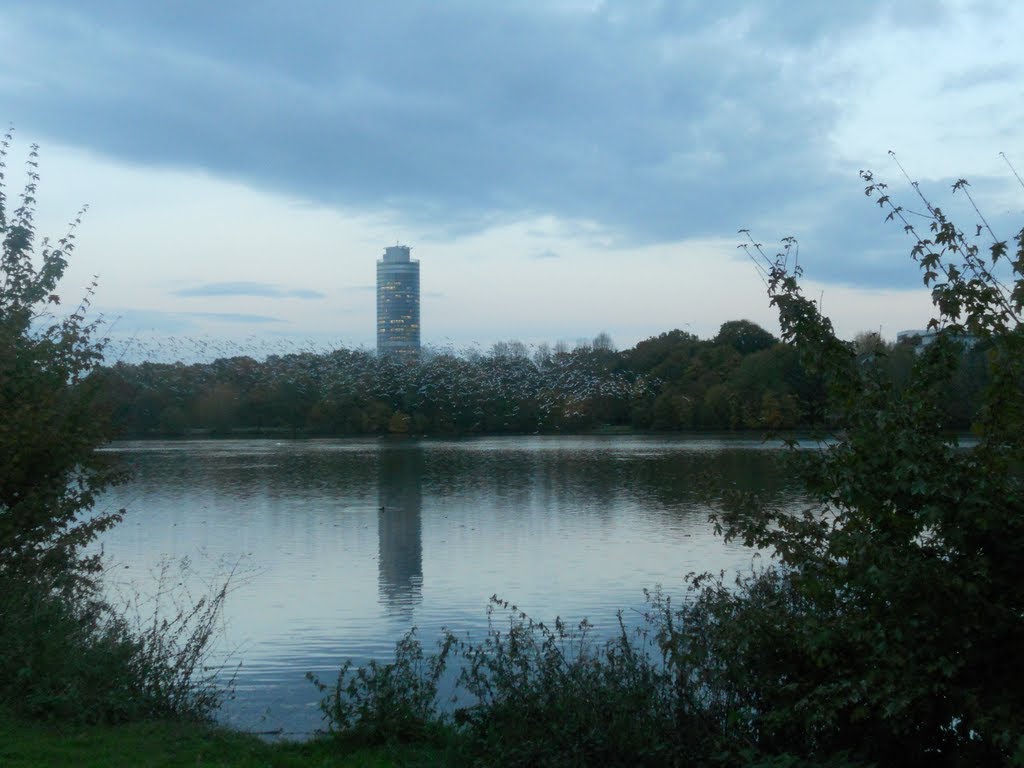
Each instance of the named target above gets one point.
<point>562,526</point>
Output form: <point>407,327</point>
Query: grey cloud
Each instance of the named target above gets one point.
<point>234,317</point>
<point>659,121</point>
<point>129,321</point>
<point>546,254</point>
<point>249,289</point>
<point>854,244</point>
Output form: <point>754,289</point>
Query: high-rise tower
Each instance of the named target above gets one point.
<point>398,303</point>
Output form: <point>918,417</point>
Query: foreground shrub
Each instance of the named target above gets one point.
<point>552,696</point>
<point>75,659</point>
<point>59,660</point>
<point>528,695</point>
<point>900,590</point>
<point>50,472</point>
<point>65,653</point>
<point>395,702</point>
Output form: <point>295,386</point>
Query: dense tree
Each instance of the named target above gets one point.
<point>889,630</point>
<point>744,336</point>
<point>66,654</point>
<point>50,472</point>
<point>674,381</point>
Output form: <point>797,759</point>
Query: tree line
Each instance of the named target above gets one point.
<point>742,378</point>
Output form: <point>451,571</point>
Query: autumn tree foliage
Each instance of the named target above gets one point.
<point>50,472</point>
<point>889,628</point>
<point>66,653</point>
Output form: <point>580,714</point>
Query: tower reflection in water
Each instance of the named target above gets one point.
<point>399,529</point>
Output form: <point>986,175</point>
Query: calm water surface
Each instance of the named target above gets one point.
<point>563,526</point>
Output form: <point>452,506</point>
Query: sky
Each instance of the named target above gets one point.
<point>560,168</point>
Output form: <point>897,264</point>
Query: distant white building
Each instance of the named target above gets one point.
<point>922,338</point>
<point>916,338</point>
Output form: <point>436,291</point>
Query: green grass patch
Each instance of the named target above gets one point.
<point>169,745</point>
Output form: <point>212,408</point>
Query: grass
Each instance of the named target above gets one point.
<point>172,744</point>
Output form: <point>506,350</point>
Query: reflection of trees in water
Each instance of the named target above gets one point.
<point>680,490</point>
<point>505,480</point>
<point>400,558</point>
<point>255,469</point>
<point>403,472</point>
<point>595,480</point>
<point>678,478</point>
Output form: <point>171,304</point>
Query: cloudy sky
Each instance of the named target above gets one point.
<point>559,167</point>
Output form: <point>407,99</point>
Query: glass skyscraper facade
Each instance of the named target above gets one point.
<point>398,303</point>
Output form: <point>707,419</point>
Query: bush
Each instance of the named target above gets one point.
<point>50,472</point>
<point>538,695</point>
<point>396,702</point>
<point>550,696</point>
<point>898,601</point>
<point>81,661</point>
<point>531,695</point>
<point>59,660</point>
<point>65,653</point>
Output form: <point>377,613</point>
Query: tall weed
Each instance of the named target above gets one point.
<point>532,694</point>
<point>72,656</point>
<point>528,694</point>
<point>396,702</point>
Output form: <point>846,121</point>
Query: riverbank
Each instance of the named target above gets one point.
<point>170,745</point>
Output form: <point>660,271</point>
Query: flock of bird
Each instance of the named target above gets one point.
<point>509,376</point>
